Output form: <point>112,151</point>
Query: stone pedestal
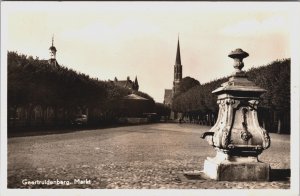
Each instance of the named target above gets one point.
<point>237,135</point>
<point>236,169</point>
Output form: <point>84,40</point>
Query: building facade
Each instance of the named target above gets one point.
<point>133,85</point>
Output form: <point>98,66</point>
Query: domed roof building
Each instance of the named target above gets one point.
<point>52,51</point>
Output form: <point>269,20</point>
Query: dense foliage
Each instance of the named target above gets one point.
<point>186,83</point>
<point>275,78</point>
<point>198,99</point>
<point>162,109</point>
<point>33,82</point>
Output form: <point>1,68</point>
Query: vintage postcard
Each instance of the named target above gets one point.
<point>149,97</point>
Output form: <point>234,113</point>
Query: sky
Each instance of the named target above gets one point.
<point>119,39</point>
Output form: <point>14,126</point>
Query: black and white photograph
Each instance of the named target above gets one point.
<point>185,97</point>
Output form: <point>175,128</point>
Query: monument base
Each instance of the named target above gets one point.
<point>236,169</point>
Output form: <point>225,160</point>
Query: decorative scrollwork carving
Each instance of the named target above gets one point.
<point>245,135</point>
<point>233,103</point>
<point>225,138</point>
<point>221,104</point>
<point>230,101</point>
<point>267,141</point>
<point>253,104</point>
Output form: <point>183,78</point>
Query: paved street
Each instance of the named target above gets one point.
<point>147,156</point>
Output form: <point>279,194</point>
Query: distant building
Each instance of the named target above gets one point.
<point>168,97</point>
<point>53,51</point>
<point>135,108</point>
<point>170,93</point>
<point>133,85</point>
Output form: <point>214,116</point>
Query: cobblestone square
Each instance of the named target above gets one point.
<point>153,156</point>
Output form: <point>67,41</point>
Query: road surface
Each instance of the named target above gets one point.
<point>149,156</point>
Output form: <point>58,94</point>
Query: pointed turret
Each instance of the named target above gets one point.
<point>136,84</point>
<point>178,59</point>
<point>52,47</point>
<point>177,71</point>
<point>53,51</point>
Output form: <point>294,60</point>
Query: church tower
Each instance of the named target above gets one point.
<point>177,72</point>
<point>52,51</point>
<point>136,84</point>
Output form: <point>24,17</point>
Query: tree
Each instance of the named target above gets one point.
<point>36,83</point>
<point>274,77</point>
<point>187,83</point>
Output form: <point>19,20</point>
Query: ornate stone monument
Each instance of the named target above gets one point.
<point>237,136</point>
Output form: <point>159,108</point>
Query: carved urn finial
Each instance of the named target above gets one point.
<point>238,55</point>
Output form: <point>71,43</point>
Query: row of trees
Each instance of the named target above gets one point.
<point>199,103</point>
<point>59,92</point>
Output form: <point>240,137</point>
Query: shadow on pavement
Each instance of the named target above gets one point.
<point>40,131</point>
<point>280,174</point>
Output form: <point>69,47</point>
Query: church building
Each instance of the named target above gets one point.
<point>170,93</point>
<point>133,85</point>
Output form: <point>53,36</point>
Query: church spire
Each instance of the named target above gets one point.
<point>177,72</point>
<point>52,39</point>
<point>178,59</point>
<point>52,47</point>
<point>136,84</point>
<point>53,51</point>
